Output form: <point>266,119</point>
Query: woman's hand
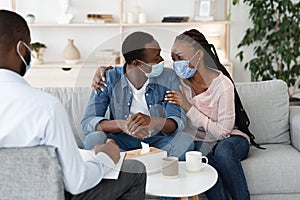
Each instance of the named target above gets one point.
<point>100,74</point>
<point>179,98</point>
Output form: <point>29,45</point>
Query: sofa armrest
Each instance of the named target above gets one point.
<point>30,173</point>
<point>295,126</point>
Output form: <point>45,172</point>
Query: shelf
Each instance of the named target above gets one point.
<point>162,24</point>
<point>149,24</point>
<point>75,25</point>
<point>62,65</point>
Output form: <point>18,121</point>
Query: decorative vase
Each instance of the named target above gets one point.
<point>30,18</point>
<point>63,16</point>
<point>71,53</point>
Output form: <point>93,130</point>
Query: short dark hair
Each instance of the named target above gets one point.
<point>13,28</point>
<point>133,46</point>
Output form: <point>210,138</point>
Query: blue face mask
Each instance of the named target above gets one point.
<point>22,58</point>
<point>156,69</point>
<point>183,69</point>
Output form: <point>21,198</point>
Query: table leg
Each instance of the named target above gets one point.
<point>195,197</point>
<point>186,198</point>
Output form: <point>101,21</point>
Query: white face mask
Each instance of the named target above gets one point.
<point>22,58</point>
<point>156,69</point>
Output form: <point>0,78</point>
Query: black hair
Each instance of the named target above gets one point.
<point>13,28</point>
<point>198,41</point>
<point>211,59</point>
<point>133,46</point>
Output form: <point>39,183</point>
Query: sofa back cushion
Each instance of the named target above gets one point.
<point>74,101</point>
<point>267,106</point>
<point>30,173</point>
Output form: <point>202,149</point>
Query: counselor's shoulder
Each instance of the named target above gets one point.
<point>38,97</point>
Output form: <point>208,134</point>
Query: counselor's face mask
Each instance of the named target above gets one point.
<point>183,69</point>
<point>156,69</point>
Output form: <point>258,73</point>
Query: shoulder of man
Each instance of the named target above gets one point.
<point>114,74</point>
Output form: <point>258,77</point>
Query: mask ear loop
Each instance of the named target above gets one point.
<point>193,58</point>
<point>144,64</point>
<point>19,53</point>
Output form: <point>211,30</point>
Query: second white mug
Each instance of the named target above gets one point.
<point>194,161</point>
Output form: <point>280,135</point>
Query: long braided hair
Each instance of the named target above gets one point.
<point>198,40</point>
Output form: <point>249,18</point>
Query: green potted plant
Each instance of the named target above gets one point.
<point>275,40</point>
<point>37,50</point>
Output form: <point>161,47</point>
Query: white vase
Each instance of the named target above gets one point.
<point>71,53</point>
<point>63,16</point>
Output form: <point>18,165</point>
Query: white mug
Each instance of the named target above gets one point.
<point>194,161</point>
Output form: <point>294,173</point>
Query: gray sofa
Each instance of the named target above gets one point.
<point>273,173</point>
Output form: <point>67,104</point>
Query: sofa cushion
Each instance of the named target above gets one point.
<point>74,101</point>
<point>273,171</point>
<point>267,105</point>
<point>31,173</point>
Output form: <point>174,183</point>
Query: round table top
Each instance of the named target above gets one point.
<point>185,185</point>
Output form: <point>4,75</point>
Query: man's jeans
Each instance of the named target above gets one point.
<point>94,138</point>
<point>226,158</point>
<point>175,144</point>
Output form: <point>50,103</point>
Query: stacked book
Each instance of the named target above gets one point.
<point>175,19</point>
<point>107,57</point>
<point>99,18</point>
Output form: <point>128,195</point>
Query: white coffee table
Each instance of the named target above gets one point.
<point>186,185</point>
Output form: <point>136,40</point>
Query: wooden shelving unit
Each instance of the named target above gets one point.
<point>122,27</point>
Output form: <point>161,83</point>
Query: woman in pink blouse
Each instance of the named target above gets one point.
<point>208,97</point>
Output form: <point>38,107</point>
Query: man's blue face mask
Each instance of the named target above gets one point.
<point>183,69</point>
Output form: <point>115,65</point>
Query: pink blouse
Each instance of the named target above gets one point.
<point>212,115</point>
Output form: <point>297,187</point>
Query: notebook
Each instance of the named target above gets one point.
<point>114,173</point>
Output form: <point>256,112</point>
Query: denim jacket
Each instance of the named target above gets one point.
<point>117,96</point>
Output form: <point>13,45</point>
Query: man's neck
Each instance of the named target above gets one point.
<point>136,76</point>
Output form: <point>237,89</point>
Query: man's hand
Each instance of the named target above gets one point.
<point>100,74</point>
<point>110,148</point>
<point>138,126</point>
<point>138,119</point>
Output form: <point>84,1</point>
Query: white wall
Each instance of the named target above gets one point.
<point>88,39</point>
<point>240,22</point>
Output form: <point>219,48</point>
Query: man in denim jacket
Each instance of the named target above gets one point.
<point>135,98</point>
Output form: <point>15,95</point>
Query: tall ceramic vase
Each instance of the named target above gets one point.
<point>71,53</point>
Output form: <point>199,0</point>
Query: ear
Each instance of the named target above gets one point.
<point>22,49</point>
<point>135,63</point>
